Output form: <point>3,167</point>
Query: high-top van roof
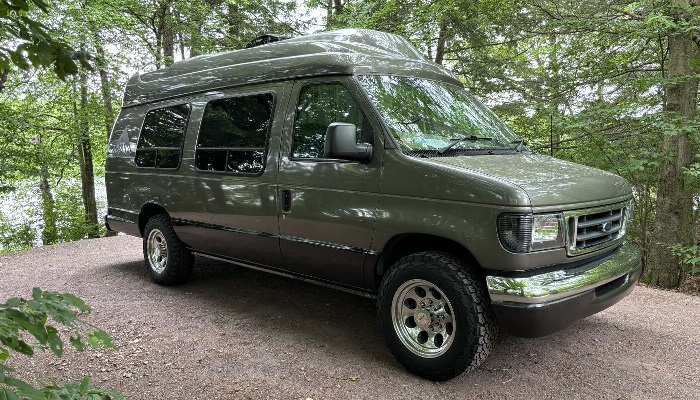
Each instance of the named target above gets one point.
<point>342,52</point>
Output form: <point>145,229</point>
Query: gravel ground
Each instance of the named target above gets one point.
<point>237,333</point>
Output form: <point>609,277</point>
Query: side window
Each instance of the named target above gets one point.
<point>160,142</point>
<point>320,105</point>
<point>233,135</point>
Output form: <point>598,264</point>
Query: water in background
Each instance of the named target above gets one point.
<point>22,207</point>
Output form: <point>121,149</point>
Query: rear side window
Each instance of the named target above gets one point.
<point>160,142</point>
<point>233,135</point>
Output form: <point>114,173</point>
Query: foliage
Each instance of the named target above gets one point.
<point>43,119</point>
<point>38,149</point>
<point>16,237</point>
<point>34,46</point>
<point>690,255</point>
<point>594,75</point>
<point>22,319</point>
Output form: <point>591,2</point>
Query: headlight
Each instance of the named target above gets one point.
<point>523,233</point>
<point>547,231</point>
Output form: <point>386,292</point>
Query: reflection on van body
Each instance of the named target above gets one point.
<point>347,159</point>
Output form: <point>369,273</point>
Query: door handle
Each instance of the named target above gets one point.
<point>286,200</point>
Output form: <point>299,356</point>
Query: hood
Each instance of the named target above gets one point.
<point>546,180</point>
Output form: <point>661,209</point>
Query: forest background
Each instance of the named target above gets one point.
<point>613,84</point>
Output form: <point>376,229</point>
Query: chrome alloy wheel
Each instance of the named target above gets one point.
<point>423,319</point>
<point>157,250</point>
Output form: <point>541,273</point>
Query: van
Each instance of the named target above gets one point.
<point>346,159</point>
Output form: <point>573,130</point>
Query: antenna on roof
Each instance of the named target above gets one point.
<point>265,39</point>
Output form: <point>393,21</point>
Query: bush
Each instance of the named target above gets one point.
<point>22,320</point>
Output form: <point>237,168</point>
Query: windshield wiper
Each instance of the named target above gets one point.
<point>453,142</point>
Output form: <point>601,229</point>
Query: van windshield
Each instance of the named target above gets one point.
<point>429,117</point>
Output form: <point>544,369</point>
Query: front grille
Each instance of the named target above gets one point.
<point>591,229</point>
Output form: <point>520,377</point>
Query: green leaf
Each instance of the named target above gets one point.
<point>12,303</point>
<point>6,394</point>
<point>77,342</point>
<point>84,384</point>
<point>41,4</point>
<point>92,341</point>
<point>55,342</point>
<point>100,338</point>
<point>3,369</point>
<point>30,324</point>
<point>19,60</point>
<point>44,53</point>
<point>64,65</point>
<point>77,302</point>
<point>23,388</point>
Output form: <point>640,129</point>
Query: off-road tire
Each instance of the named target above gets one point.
<point>475,328</point>
<point>176,261</point>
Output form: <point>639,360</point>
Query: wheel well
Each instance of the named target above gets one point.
<point>405,244</point>
<point>147,211</point>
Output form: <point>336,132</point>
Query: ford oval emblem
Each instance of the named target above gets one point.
<point>605,227</point>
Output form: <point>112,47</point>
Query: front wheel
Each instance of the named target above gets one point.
<point>435,315</point>
<point>168,260</point>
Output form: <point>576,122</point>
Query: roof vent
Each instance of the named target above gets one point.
<point>265,39</point>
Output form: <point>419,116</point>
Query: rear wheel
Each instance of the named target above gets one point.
<point>435,315</point>
<point>168,260</point>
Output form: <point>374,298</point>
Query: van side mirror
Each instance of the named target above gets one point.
<point>340,143</point>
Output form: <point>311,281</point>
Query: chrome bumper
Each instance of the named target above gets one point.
<point>544,303</point>
<point>540,304</point>
<point>556,285</point>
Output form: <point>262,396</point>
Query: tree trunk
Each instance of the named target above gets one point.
<point>234,21</point>
<point>101,63</point>
<point>334,8</point>
<point>87,175</point>
<point>329,13</point>
<point>159,26</point>
<point>3,78</point>
<point>338,7</point>
<point>49,235</point>
<point>674,205</point>
<point>555,90</point>
<point>168,36</point>
<point>181,40</point>
<point>440,50</point>
<point>195,41</point>
<point>159,50</point>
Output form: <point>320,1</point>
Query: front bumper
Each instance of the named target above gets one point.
<point>540,304</point>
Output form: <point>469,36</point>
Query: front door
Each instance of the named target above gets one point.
<point>327,206</point>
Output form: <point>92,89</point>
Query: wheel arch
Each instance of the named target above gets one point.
<point>408,243</point>
<point>147,211</point>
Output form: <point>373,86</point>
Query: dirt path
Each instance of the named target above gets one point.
<point>238,333</point>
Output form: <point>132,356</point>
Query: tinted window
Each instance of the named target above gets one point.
<point>233,134</point>
<point>320,105</point>
<point>160,142</point>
